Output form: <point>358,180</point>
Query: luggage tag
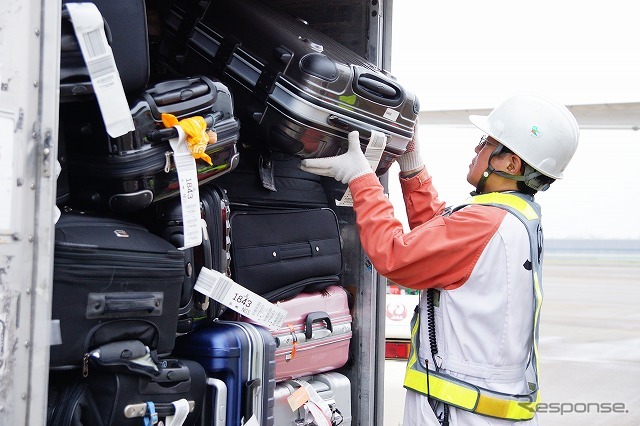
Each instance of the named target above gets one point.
<point>224,290</point>
<point>107,85</point>
<point>189,190</point>
<point>181,413</point>
<point>373,153</point>
<point>252,421</point>
<point>307,397</point>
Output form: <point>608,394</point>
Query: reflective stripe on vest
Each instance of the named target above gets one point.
<point>467,396</point>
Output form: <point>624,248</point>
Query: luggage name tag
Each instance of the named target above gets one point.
<point>224,290</point>
<point>189,190</point>
<point>107,85</point>
<point>373,153</point>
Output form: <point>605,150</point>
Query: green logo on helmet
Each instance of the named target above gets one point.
<point>535,132</point>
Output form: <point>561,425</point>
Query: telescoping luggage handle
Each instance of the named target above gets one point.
<point>161,409</point>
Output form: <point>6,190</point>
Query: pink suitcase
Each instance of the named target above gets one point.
<point>315,336</point>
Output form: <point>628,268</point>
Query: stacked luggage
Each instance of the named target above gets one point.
<point>135,342</point>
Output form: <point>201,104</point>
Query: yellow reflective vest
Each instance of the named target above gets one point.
<point>450,390</point>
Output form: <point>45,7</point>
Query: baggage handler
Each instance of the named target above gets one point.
<point>475,331</point>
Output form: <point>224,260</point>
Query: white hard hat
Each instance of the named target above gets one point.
<point>542,132</point>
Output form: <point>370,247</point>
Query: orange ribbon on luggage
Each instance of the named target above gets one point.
<point>198,137</point>
<point>294,344</point>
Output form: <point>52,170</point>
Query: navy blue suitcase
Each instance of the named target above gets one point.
<point>242,355</point>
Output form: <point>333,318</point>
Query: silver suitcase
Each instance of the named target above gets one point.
<point>334,388</point>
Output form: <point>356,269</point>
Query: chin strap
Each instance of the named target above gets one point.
<point>531,177</point>
<point>488,171</point>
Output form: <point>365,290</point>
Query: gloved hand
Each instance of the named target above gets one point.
<point>345,167</point>
<point>411,160</point>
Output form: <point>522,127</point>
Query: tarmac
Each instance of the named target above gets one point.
<point>589,345</point>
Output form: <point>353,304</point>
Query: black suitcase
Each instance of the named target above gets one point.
<point>124,398</point>
<point>112,281</point>
<point>106,397</point>
<point>130,172</point>
<point>279,253</point>
<point>296,89</point>
<point>213,253</point>
<point>272,179</point>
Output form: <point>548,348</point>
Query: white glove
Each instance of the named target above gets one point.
<point>345,167</point>
<point>411,160</point>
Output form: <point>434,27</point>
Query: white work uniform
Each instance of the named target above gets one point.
<point>477,258</point>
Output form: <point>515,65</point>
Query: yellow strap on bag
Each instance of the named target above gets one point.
<point>195,129</point>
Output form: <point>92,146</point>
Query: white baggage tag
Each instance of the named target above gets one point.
<point>224,290</point>
<point>181,412</point>
<point>373,153</point>
<point>107,85</point>
<point>189,190</point>
<point>252,421</point>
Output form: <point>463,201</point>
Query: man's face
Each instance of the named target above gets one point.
<point>480,162</point>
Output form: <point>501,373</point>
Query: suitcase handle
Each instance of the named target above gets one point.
<point>173,372</point>
<point>377,87</point>
<point>182,94</point>
<point>202,301</point>
<point>349,126</point>
<point>250,390</point>
<point>317,316</point>
<point>124,303</point>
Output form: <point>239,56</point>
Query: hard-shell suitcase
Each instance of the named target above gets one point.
<point>124,399</point>
<point>334,389</point>
<point>112,280</point>
<point>213,253</point>
<point>315,335</point>
<point>242,356</point>
<point>176,22</point>
<point>296,89</point>
<point>279,253</point>
<point>272,179</point>
<point>129,172</point>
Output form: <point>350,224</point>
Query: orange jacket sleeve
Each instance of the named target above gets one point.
<point>439,251</point>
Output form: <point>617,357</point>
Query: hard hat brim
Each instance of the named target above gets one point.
<point>482,123</point>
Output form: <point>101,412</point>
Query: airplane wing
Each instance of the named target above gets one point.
<point>593,116</point>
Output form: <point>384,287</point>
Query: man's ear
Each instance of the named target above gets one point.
<point>514,165</point>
